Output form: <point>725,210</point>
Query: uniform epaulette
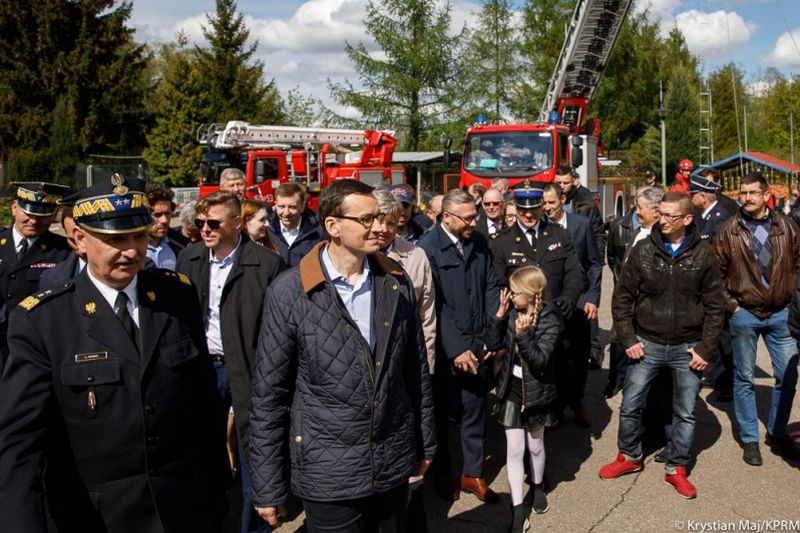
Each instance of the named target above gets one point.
<point>35,299</point>
<point>172,274</point>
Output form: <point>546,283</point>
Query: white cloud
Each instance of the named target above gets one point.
<point>714,34</point>
<point>758,88</point>
<point>660,10</point>
<point>786,53</point>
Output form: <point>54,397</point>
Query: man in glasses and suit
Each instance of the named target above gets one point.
<point>231,273</point>
<point>28,248</point>
<point>109,417</point>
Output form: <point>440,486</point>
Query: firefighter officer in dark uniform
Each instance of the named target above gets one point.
<point>534,241</point>
<point>109,416</point>
<point>28,248</point>
<point>711,214</point>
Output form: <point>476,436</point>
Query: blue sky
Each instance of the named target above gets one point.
<point>302,41</point>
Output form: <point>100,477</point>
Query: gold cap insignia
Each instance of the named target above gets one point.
<point>119,185</point>
<point>151,296</point>
<point>91,308</point>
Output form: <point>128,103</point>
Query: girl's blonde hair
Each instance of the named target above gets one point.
<point>532,283</point>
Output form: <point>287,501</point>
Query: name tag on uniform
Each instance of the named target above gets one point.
<point>518,253</point>
<point>42,265</point>
<point>89,357</point>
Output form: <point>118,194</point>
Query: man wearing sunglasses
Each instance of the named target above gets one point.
<point>231,273</point>
<point>466,292</point>
<point>491,222</point>
<point>342,409</point>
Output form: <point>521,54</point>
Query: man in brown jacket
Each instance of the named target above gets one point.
<point>759,254</point>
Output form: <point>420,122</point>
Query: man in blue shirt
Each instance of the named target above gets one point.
<point>163,245</point>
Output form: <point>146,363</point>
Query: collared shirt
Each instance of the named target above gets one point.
<point>491,226</point>
<point>456,241</point>
<point>110,295</point>
<point>162,255</point>
<point>18,239</point>
<point>357,297</point>
<point>290,234</point>
<point>530,233</point>
<point>79,266</point>
<point>705,214</point>
<point>562,222</point>
<point>218,272</point>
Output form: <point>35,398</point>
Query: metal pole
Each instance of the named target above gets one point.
<point>663,116</point>
<point>791,133</point>
<point>744,108</point>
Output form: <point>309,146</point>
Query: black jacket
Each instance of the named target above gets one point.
<point>242,299</point>
<point>670,300</point>
<point>341,420</point>
<point>588,255</point>
<point>620,237</point>
<point>310,234</point>
<point>536,349</point>
<point>581,202</point>
<point>151,454</point>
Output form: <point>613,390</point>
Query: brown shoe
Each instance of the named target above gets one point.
<point>447,488</point>
<point>478,487</point>
<point>582,417</point>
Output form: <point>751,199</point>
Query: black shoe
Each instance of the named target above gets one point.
<point>596,361</point>
<point>663,455</point>
<point>611,391</point>
<point>752,455</point>
<point>519,520</point>
<point>540,505</point>
<point>783,446</point>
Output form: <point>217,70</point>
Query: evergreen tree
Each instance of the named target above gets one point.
<point>179,105</point>
<point>683,120</point>
<point>62,154</point>
<point>234,81</point>
<point>729,96</point>
<point>543,30</point>
<point>492,73</point>
<point>406,91</point>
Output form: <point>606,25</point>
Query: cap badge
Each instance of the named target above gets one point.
<point>119,185</point>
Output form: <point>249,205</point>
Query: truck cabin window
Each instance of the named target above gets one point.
<point>508,153</point>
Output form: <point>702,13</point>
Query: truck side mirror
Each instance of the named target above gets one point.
<point>576,153</point>
<point>259,171</point>
<point>447,143</point>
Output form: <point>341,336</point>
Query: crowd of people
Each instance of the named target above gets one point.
<point>324,355</point>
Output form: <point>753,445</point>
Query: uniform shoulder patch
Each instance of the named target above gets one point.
<point>171,274</point>
<point>184,278</point>
<point>35,299</point>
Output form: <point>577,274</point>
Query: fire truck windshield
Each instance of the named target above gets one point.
<point>213,163</point>
<point>508,153</point>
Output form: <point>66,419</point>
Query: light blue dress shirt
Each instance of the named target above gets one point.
<point>162,255</point>
<point>217,276</point>
<point>357,298</point>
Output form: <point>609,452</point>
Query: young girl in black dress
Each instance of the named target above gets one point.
<point>528,330</point>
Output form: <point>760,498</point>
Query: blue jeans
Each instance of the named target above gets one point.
<point>685,388</point>
<point>745,328</point>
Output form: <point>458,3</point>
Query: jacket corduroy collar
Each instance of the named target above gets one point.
<point>312,272</point>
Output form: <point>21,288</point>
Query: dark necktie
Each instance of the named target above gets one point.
<point>121,310</point>
<point>23,247</point>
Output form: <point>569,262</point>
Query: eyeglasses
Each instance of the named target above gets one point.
<point>366,220</point>
<point>672,218</point>
<point>213,224</point>
<point>510,216</point>
<point>465,220</point>
<point>492,204</point>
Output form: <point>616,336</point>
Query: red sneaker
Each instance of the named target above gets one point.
<point>619,467</point>
<point>681,483</point>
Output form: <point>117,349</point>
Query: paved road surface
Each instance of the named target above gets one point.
<point>729,490</point>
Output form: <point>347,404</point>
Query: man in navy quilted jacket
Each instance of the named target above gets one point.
<point>341,411</point>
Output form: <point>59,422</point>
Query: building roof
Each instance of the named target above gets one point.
<point>755,157</point>
<point>416,157</point>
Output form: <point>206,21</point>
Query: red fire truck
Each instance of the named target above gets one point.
<point>315,157</point>
<point>533,152</point>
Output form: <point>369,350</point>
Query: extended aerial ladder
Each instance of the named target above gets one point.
<point>589,40</point>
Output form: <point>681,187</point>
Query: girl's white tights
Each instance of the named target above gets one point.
<point>515,455</point>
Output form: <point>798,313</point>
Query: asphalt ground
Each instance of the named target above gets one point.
<point>732,496</point>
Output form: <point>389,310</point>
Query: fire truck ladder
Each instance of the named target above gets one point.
<point>588,42</point>
<point>236,134</point>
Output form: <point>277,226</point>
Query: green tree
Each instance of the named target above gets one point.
<point>82,52</point>
<point>63,152</point>
<point>683,121</point>
<point>729,97</point>
<point>542,36</point>
<point>491,73</point>
<point>407,90</point>
<point>233,79</point>
<point>180,104</point>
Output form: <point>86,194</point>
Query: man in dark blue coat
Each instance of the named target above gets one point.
<point>293,227</point>
<point>573,368</point>
<point>466,296</point>
<point>341,400</point>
